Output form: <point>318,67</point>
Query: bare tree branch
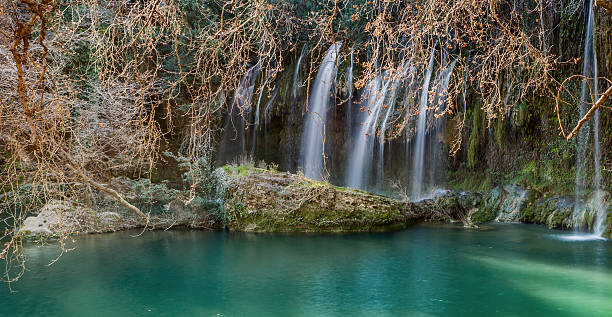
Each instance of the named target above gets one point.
<point>590,113</point>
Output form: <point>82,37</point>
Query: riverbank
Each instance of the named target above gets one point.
<point>265,200</point>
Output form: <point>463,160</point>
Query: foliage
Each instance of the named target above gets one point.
<point>476,137</point>
<point>201,176</point>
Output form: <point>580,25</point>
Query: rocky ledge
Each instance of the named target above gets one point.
<point>261,200</point>
<point>511,203</point>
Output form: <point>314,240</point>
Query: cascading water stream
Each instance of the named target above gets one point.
<point>440,103</point>
<point>313,137</point>
<point>296,75</point>
<point>270,105</point>
<point>409,99</point>
<point>380,178</point>
<point>589,93</point>
<point>256,118</point>
<point>359,162</point>
<point>348,88</point>
<point>404,71</point>
<point>419,152</point>
<point>234,140</point>
<point>380,94</point>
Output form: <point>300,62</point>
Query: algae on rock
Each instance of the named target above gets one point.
<point>268,201</point>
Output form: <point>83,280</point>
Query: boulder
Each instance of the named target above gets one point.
<point>503,204</point>
<point>261,200</point>
<point>60,217</point>
<point>556,212</point>
<point>567,212</point>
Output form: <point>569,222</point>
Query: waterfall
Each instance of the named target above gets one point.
<point>440,103</point>
<point>419,152</point>
<point>359,162</point>
<point>588,94</point>
<point>381,93</point>
<point>408,104</point>
<point>404,71</point>
<point>234,140</point>
<point>296,76</point>
<point>348,88</point>
<point>269,105</point>
<point>256,118</point>
<point>313,136</point>
<point>390,105</point>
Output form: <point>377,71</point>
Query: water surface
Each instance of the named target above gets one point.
<point>510,270</point>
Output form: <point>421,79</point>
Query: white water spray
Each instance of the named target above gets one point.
<point>419,152</point>
<point>313,137</point>
<point>589,94</point>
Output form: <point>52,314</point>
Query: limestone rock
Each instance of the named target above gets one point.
<point>262,200</point>
<point>59,217</point>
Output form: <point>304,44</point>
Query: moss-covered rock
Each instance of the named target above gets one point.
<point>608,231</point>
<point>555,212</point>
<point>511,203</point>
<point>456,205</point>
<point>489,208</point>
<point>504,204</point>
<point>267,201</point>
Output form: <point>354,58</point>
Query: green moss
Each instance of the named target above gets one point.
<point>245,211</point>
<point>528,215</point>
<point>476,137</point>
<point>235,212</point>
<point>310,219</point>
<point>500,129</point>
<point>240,170</point>
<point>608,231</point>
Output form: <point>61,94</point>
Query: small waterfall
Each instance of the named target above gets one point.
<point>256,118</point>
<point>390,105</point>
<point>381,93</point>
<point>313,137</point>
<point>419,152</point>
<point>234,140</point>
<point>348,93</point>
<point>589,94</point>
<point>296,76</point>
<point>360,160</point>
<point>270,105</point>
<point>403,72</point>
<point>408,104</point>
<point>440,104</point>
